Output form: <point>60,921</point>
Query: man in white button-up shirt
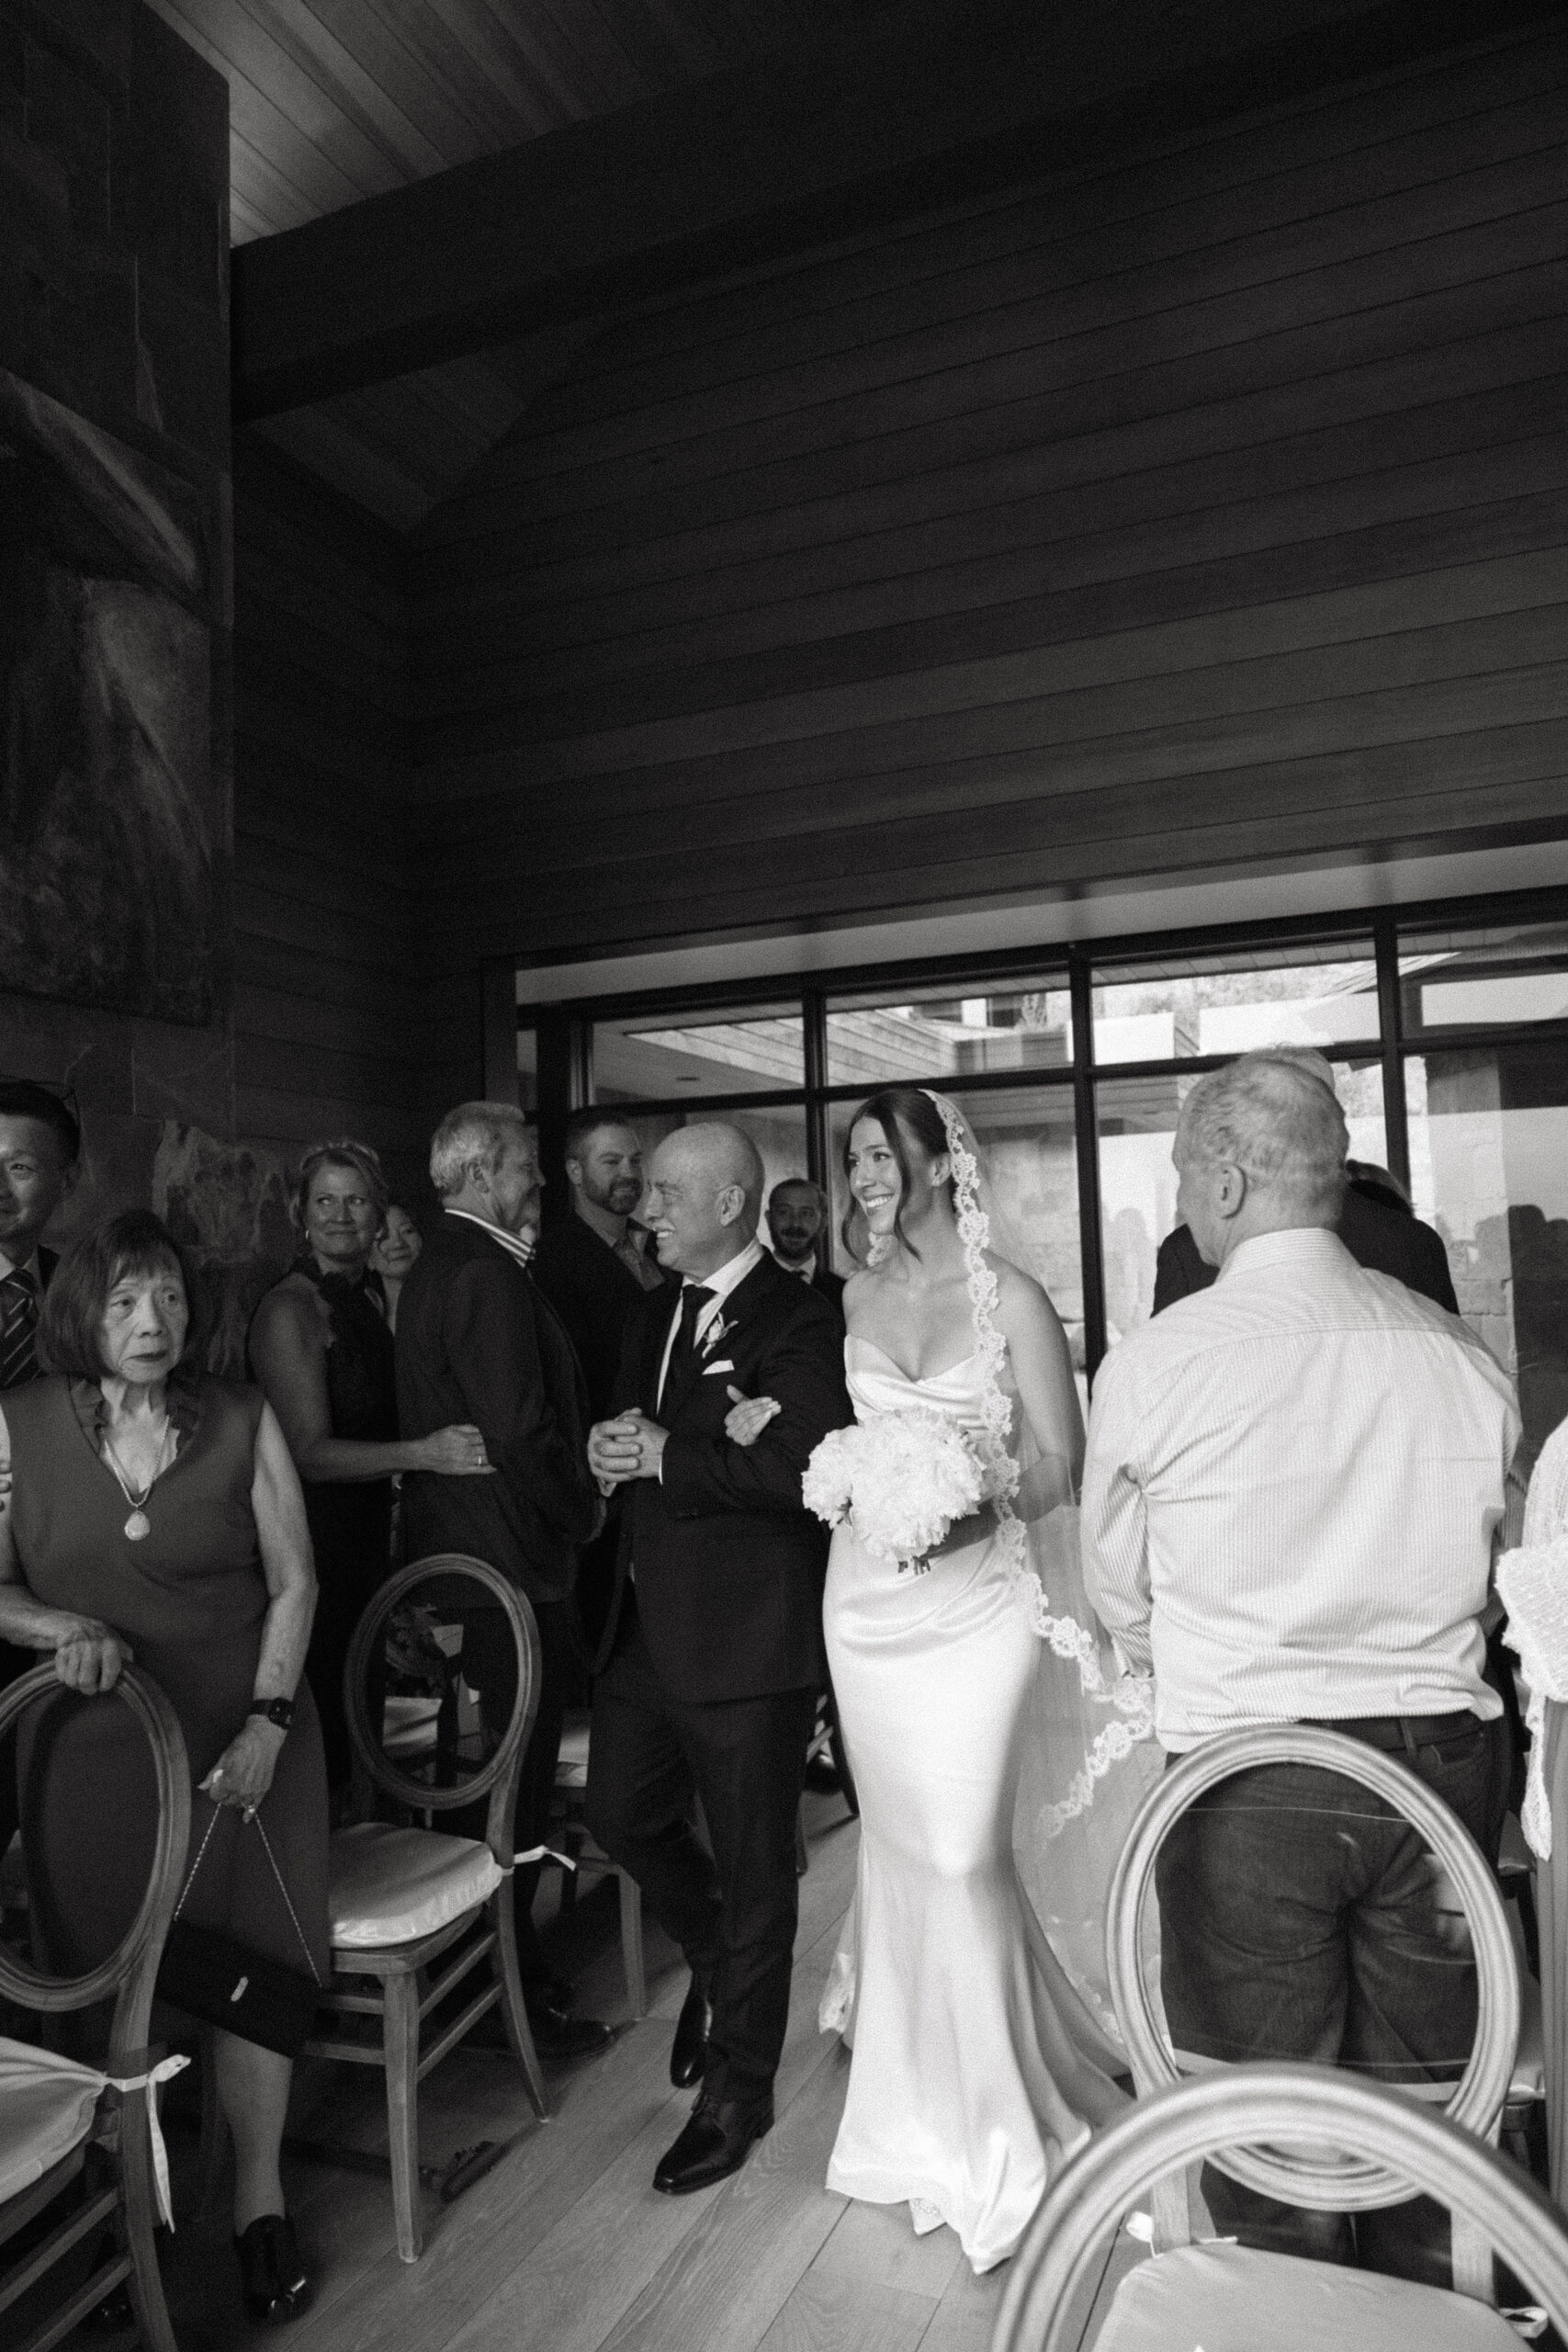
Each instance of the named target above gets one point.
<point>1291,1494</point>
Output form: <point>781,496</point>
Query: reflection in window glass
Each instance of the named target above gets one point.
<point>1137,1183</point>
<point>1510,972</point>
<point>778,1132</point>
<point>1489,1168</point>
<point>1177,1005</point>
<point>947,1033</point>
<point>528,1070</point>
<point>1028,1137</point>
<point>651,1058</point>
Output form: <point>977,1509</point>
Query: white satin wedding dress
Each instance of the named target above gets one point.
<point>976,2071</point>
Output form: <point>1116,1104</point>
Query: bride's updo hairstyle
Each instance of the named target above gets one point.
<point>905,1114</point>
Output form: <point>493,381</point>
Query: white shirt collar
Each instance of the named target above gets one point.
<point>728,1277</point>
<point>509,1241</point>
<point>28,1266</point>
<point>1296,1244</point>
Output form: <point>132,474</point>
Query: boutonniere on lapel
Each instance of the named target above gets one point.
<point>718,1329</point>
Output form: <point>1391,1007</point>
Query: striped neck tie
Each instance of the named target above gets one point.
<point>18,1358</point>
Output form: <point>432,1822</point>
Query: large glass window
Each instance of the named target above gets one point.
<point>528,1070</point>
<point>1171,1006</point>
<point>951,1031</point>
<point>1477,1066</point>
<point>1489,1167</point>
<point>1490,978</point>
<point>758,1049</point>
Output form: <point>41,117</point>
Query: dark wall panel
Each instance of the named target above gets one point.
<point>326,1012</point>
<point>1212,505</point>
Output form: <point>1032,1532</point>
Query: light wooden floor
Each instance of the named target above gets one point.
<point>565,2246</point>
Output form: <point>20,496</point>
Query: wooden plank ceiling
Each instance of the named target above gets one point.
<point>334,100</point>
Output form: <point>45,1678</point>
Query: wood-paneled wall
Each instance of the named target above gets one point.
<point>1211,507</point>
<point>327,1007</point>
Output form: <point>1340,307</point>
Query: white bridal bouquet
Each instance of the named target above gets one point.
<point>901,1479</point>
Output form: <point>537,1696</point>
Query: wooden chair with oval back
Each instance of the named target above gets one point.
<point>1224,2295</point>
<point>414,1913</point>
<point>61,2121</point>
<point>1475,2103</point>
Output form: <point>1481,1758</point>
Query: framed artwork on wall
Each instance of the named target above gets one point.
<point>112,834</point>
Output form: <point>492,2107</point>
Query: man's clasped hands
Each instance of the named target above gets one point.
<point>631,1446</point>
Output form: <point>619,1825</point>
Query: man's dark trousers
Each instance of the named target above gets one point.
<point>1300,1918</point>
<point>746,1760</point>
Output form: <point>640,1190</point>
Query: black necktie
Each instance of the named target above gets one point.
<point>694,1299</point>
<point>18,1359</point>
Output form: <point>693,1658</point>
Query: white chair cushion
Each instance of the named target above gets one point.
<point>387,1885</point>
<point>1234,2298</point>
<point>47,2105</point>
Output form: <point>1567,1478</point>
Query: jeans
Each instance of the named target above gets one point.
<point>1302,1918</point>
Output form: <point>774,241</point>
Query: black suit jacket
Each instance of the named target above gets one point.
<point>1388,1242</point>
<point>826,1284</point>
<point>729,1562</point>
<point>477,1342</point>
<point>596,1296</point>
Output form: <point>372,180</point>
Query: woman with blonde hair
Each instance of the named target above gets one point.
<point>321,1347</point>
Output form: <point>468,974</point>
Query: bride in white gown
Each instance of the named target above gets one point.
<point>977,2068</point>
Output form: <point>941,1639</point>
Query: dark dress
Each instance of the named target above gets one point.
<point>351,1521</point>
<point>190,1598</point>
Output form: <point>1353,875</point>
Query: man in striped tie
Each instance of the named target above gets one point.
<point>40,1144</point>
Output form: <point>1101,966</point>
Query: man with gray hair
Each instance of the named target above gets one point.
<point>1293,1484</point>
<point>1376,1223</point>
<point>477,1343</point>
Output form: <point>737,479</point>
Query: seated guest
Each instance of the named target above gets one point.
<point>797,1222</point>
<point>1380,1229</point>
<point>320,1349</point>
<point>476,1337</point>
<point>398,1244</point>
<point>1291,1489</point>
<point>156,1515</point>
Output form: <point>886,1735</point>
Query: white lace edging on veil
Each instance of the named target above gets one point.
<point>1131,1696</point>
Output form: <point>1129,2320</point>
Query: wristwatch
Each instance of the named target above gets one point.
<point>277,1710</point>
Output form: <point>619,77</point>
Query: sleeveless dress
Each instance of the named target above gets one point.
<point>972,2080</point>
<point>350,1519</point>
<point>190,1598</point>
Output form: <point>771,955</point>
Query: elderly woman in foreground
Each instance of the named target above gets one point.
<point>155,1515</point>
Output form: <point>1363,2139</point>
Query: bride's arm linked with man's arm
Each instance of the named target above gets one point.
<point>800,1378</point>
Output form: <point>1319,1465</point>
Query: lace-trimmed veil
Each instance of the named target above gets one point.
<point>1087,1753</point>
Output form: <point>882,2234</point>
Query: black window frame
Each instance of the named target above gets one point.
<point>564,1030</point>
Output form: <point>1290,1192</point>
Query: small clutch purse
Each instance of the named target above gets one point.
<point>212,1975</point>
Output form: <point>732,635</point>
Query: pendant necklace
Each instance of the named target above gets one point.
<point>137,1525</point>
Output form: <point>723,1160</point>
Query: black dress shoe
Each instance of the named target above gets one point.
<point>277,2286</point>
<point>558,2034</point>
<point>688,2051</point>
<point>714,2144</point>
